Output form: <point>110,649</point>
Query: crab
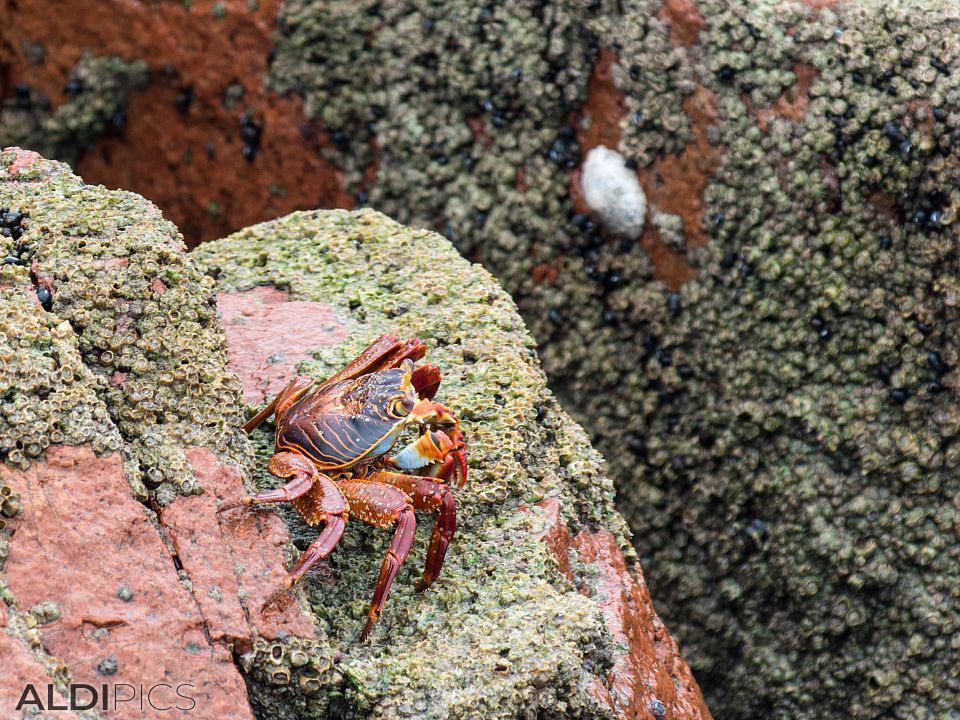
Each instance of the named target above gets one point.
<point>334,444</point>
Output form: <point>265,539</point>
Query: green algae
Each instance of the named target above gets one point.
<point>99,88</point>
<point>502,634</point>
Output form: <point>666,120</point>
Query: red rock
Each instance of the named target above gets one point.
<point>212,546</point>
<point>604,107</point>
<point>19,669</point>
<point>23,160</point>
<point>675,184</point>
<point>685,21</point>
<point>268,334</point>
<point>81,537</point>
<point>652,670</point>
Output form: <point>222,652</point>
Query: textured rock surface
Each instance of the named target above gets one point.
<point>180,140</point>
<point>784,427</point>
<point>787,456</point>
<point>118,431</point>
<point>112,402</point>
<point>505,632</point>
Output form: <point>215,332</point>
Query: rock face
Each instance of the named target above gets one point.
<point>203,138</point>
<point>780,411</point>
<point>118,430</point>
<point>117,412</point>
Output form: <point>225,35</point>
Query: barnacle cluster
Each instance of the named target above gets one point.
<point>47,395</point>
<point>132,337</point>
<point>291,677</point>
<point>97,97</point>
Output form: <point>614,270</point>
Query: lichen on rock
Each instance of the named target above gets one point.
<point>111,328</point>
<point>782,427</point>
<point>139,317</point>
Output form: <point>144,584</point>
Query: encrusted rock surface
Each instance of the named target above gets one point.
<point>782,429</point>
<point>505,632</point>
<point>119,432</point>
<point>117,411</point>
<point>203,138</point>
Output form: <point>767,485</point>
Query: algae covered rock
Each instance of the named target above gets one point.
<point>782,429</point>
<point>97,90</point>
<point>119,425</point>
<point>118,431</point>
<point>505,632</point>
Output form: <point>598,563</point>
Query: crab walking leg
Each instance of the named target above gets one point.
<point>428,494</point>
<point>322,501</point>
<point>382,505</point>
<point>303,475</point>
<point>386,352</point>
<point>322,546</point>
<point>282,400</point>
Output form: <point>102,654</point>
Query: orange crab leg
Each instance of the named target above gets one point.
<point>322,546</point>
<point>316,497</point>
<point>382,505</point>
<point>303,475</point>
<point>428,494</point>
<point>386,352</point>
<point>293,391</point>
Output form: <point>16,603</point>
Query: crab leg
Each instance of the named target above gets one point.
<point>316,497</point>
<point>428,494</point>
<point>386,352</point>
<point>283,399</point>
<point>382,505</point>
<point>302,472</point>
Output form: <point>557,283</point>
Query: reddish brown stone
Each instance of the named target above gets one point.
<point>80,538</point>
<point>604,107</point>
<point>163,153</point>
<point>268,334</point>
<point>23,160</point>
<point>675,184</point>
<point>223,553</point>
<point>651,670</point>
<point>684,19</point>
<point>19,669</point>
<point>793,104</point>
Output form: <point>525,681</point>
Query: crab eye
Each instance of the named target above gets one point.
<point>401,407</point>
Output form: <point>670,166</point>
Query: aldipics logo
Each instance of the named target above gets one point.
<point>109,696</point>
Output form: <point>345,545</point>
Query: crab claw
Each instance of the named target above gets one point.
<point>426,381</point>
<point>455,463</point>
<point>435,453</point>
<point>427,412</point>
<point>430,448</point>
